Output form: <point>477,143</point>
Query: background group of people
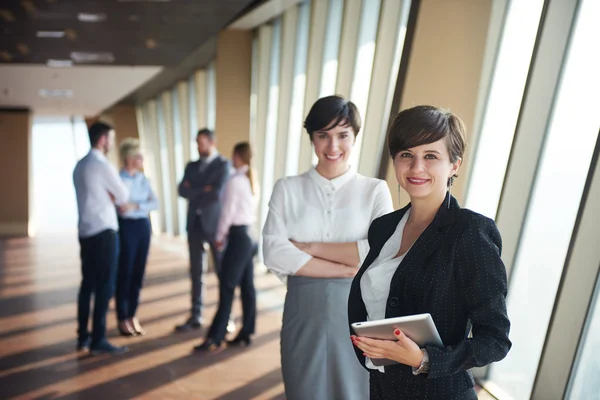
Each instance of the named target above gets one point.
<point>114,234</point>
<point>333,236</point>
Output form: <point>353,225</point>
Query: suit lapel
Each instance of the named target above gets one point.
<point>385,229</point>
<point>429,241</point>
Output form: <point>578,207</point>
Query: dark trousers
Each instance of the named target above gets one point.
<point>198,265</point>
<point>135,241</point>
<point>237,268</point>
<point>98,269</point>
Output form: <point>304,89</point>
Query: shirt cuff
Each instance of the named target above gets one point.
<point>363,250</point>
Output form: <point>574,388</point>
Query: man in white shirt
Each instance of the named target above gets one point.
<point>98,188</point>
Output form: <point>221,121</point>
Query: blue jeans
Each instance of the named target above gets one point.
<point>135,241</point>
<point>98,270</point>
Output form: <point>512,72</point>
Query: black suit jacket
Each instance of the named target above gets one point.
<point>204,207</point>
<point>454,272</point>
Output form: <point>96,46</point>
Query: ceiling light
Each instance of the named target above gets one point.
<point>23,49</point>
<point>59,63</point>
<point>7,16</point>
<point>150,43</point>
<point>143,1</point>
<point>5,56</point>
<point>71,34</point>
<point>28,6</point>
<point>87,17</point>
<point>50,34</point>
<point>96,57</point>
<point>56,93</point>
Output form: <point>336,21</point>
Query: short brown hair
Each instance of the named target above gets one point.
<point>424,125</point>
<point>331,111</point>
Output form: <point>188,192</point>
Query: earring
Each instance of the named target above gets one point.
<point>449,194</point>
<point>398,194</point>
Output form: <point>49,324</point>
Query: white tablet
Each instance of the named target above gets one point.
<point>420,328</point>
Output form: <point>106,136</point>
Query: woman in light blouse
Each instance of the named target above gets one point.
<point>238,214</point>
<point>315,236</point>
<point>431,257</point>
<point>134,233</point>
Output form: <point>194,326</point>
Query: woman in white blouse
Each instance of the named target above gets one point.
<point>315,236</point>
<point>237,268</point>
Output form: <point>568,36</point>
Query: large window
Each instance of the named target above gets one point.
<point>57,144</point>
<point>552,211</point>
<point>502,109</point>
<point>585,384</point>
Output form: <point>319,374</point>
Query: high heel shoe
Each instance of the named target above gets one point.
<point>241,338</point>
<point>125,329</point>
<point>210,346</point>
<point>137,328</point>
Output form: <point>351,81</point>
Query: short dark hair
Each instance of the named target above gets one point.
<point>206,132</point>
<point>424,125</point>
<point>331,111</point>
<point>97,130</point>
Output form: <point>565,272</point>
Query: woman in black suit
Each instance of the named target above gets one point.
<point>431,257</point>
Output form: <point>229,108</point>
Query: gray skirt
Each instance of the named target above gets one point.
<point>317,358</point>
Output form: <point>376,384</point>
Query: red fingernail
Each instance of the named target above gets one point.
<point>397,332</point>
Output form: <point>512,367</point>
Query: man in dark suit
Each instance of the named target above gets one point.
<point>202,185</point>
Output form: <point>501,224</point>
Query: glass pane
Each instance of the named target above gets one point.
<point>332,47</point>
<point>178,156</point>
<point>555,201</point>
<point>56,147</point>
<point>503,104</point>
<point>299,85</point>
<point>193,117</point>
<point>164,158</point>
<point>270,143</point>
<point>585,384</point>
<point>365,55</point>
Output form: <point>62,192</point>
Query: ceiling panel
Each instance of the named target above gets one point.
<point>136,32</point>
<point>88,89</point>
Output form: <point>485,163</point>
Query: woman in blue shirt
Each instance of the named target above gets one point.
<point>134,232</point>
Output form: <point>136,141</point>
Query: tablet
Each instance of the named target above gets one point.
<point>420,328</point>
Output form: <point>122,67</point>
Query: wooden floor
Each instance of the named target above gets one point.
<point>38,288</point>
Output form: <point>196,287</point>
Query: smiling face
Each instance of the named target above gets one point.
<point>333,148</point>
<point>423,171</point>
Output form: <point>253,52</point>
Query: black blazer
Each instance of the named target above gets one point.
<point>204,207</point>
<point>454,272</point>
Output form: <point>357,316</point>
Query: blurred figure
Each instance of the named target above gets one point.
<point>237,267</point>
<point>316,236</point>
<point>135,232</point>
<point>98,187</point>
<point>201,185</point>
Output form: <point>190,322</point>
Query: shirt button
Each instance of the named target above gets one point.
<point>394,302</point>
<point>328,212</point>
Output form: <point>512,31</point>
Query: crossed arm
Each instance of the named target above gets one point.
<point>320,260</point>
<point>187,190</point>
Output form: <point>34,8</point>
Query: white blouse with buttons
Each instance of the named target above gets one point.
<point>375,282</point>
<point>311,208</point>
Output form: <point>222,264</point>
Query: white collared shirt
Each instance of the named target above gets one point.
<point>95,180</point>
<point>239,203</point>
<point>375,282</point>
<point>311,208</point>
